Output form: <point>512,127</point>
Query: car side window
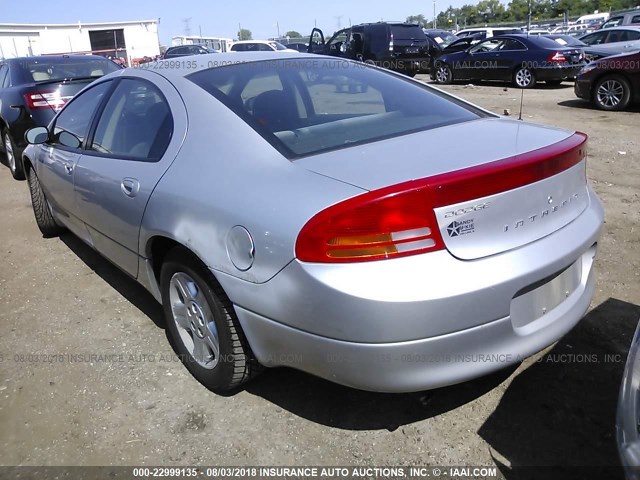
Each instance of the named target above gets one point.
<point>595,38</point>
<point>487,46</point>
<point>511,44</point>
<point>72,124</point>
<point>635,19</point>
<point>264,48</point>
<point>630,35</point>
<point>338,40</point>
<point>136,122</point>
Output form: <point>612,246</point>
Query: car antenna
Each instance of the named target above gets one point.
<point>521,103</point>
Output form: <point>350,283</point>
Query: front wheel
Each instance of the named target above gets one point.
<point>524,78</point>
<point>444,75</point>
<point>612,93</point>
<point>202,324</point>
<point>41,209</point>
<point>13,156</point>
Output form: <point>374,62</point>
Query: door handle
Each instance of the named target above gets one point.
<point>68,168</point>
<point>130,187</point>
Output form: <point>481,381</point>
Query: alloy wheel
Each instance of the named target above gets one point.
<point>194,320</point>
<point>523,77</point>
<point>610,93</point>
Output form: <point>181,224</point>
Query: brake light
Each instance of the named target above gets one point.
<point>557,57</point>
<point>44,99</point>
<point>399,220</point>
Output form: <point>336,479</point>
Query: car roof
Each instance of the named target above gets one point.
<point>219,60</point>
<point>621,27</point>
<point>255,41</point>
<point>54,58</point>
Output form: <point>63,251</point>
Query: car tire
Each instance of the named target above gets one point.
<point>443,75</point>
<point>524,78</point>
<point>612,93</point>
<point>41,208</point>
<point>202,324</point>
<point>13,156</point>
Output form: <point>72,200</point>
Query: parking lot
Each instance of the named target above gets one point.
<point>87,376</point>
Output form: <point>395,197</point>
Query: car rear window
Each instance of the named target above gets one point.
<point>66,69</point>
<point>307,106</point>
<point>407,32</point>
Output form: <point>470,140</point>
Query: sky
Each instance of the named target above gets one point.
<point>215,18</point>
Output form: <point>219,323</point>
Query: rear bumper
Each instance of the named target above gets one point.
<point>428,321</point>
<point>558,73</point>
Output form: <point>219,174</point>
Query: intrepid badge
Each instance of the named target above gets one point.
<point>457,229</point>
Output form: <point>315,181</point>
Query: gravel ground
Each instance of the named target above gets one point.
<point>134,403</point>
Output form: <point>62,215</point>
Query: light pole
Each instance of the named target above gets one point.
<point>434,14</point>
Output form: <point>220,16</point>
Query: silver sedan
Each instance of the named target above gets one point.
<point>326,215</point>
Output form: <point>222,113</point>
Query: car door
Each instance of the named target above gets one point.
<point>337,45</point>
<point>482,60</point>
<point>56,159</point>
<point>316,42</point>
<point>132,144</point>
<point>509,55</point>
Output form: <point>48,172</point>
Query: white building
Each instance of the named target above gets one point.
<point>217,43</point>
<point>130,40</point>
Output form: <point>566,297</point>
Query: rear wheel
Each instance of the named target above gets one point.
<point>41,209</point>
<point>612,93</point>
<point>524,78</point>
<point>13,156</point>
<point>444,75</point>
<point>203,325</point>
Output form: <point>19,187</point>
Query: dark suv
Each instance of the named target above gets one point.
<point>402,47</point>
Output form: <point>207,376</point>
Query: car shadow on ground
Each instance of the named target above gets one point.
<point>503,85</point>
<point>584,104</point>
<point>119,281</point>
<point>561,411</point>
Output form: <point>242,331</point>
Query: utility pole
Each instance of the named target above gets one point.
<point>434,14</point>
<point>187,26</point>
<point>529,17</point>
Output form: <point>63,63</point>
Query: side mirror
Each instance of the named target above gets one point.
<point>37,135</point>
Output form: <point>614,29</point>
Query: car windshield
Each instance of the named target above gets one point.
<point>303,107</point>
<point>443,38</point>
<point>68,69</point>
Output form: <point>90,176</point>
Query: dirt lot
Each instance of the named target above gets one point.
<point>58,297</point>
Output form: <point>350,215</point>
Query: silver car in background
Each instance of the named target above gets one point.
<point>327,215</point>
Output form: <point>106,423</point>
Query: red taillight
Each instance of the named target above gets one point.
<point>45,99</point>
<point>391,222</point>
<point>557,57</point>
<point>399,220</point>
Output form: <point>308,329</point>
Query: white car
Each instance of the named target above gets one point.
<point>260,46</point>
<point>487,32</point>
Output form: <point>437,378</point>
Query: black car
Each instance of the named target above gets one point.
<point>402,47</point>
<point>521,59</point>
<point>439,40</point>
<point>611,83</point>
<point>299,46</point>
<point>186,50</point>
<point>34,89</point>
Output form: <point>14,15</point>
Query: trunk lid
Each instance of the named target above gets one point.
<point>506,184</point>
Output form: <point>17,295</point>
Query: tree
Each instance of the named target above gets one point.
<point>293,34</point>
<point>245,34</point>
<point>419,19</point>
